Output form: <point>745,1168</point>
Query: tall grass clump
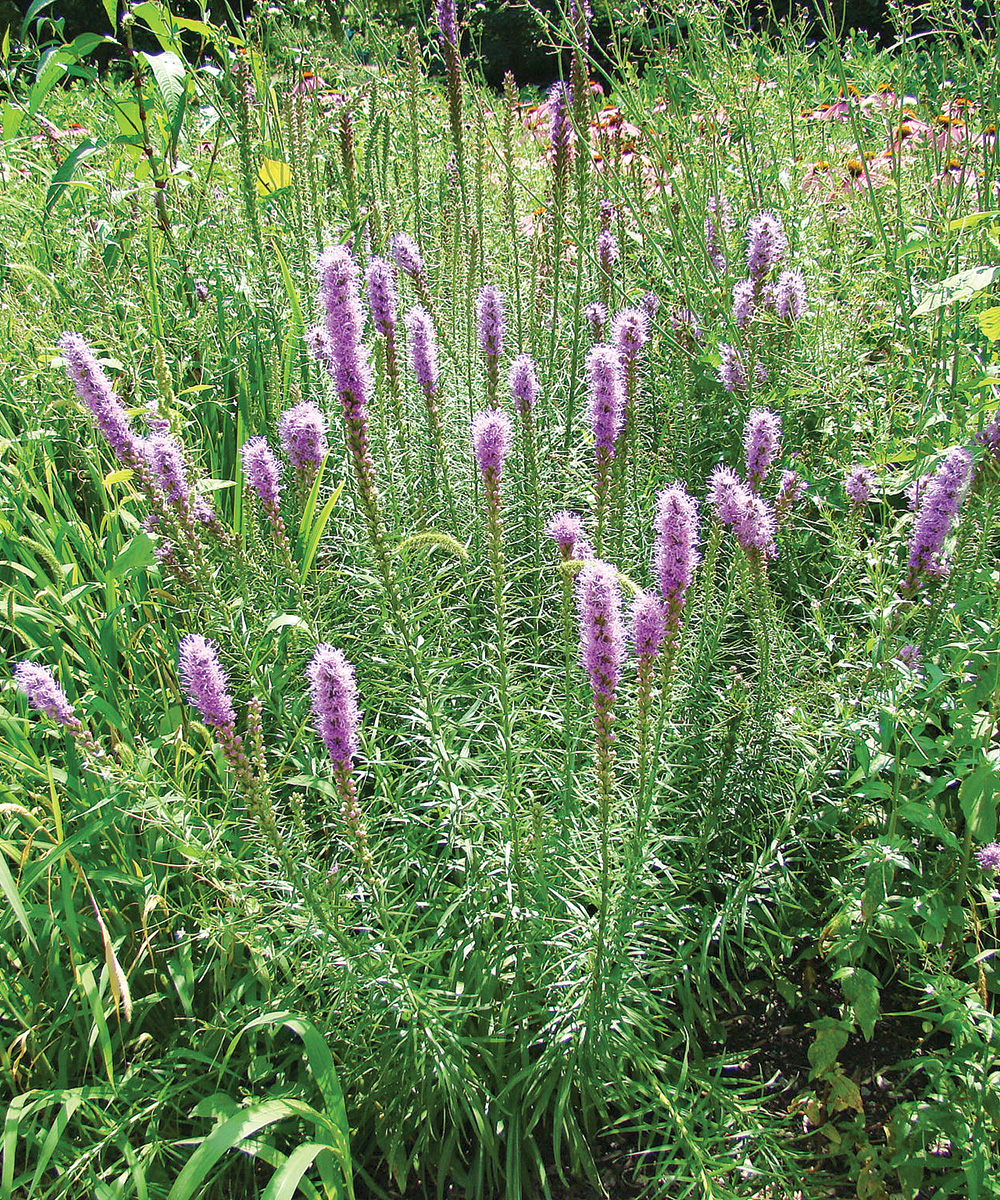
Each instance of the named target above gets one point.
<point>500,598</point>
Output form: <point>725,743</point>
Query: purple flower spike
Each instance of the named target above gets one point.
<point>423,349</point>
<point>630,333</point>
<point>333,695</point>
<point>38,685</point>
<point>650,305</point>
<point>262,471</point>
<point>566,529</point>
<point>858,486</point>
<point>204,682</point>
<point>407,256</point>
<point>302,431</point>
<point>597,318</point>
<point>165,459</point>
<point>675,550</point>
<point>744,301</point>
<point>446,16</point>
<point>607,250</point>
<point>602,634</point>
<point>318,344</point>
<point>492,433</point>
<point>727,494</point>
<point>561,131</point>
<point>761,441</point>
<point>766,243</point>
<point>988,856</point>
<point>94,388</point>
<point>607,398</point>
<point>755,528</point>
<point>490,321</point>
<point>790,295</point>
<point>380,282</point>
<point>939,506</point>
<point>649,624</point>
<point>990,438</point>
<point>341,300</point>
<point>523,383</point>
<point>731,373</point>
<point>790,492</point>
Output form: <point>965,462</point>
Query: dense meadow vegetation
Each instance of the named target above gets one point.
<point>500,601</point>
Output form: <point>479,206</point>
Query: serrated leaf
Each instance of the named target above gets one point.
<point>861,992</point>
<point>273,176</point>
<point>989,322</point>
<point>956,289</point>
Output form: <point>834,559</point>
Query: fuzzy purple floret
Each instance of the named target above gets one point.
<point>761,442</point>
<point>630,333</point>
<point>597,317</point>
<point>492,434</point>
<point>341,300</point>
<point>333,695</point>
<point>755,528</point>
<point>262,472</point>
<point>766,244</point>
<point>406,255</point>
<point>302,431</point>
<point>791,489</point>
<point>523,382</point>
<point>204,681</point>
<point>490,320</point>
<point>446,16</point>
<point>607,249</point>
<point>560,130</point>
<point>606,397</point>
<point>38,685</point>
<point>566,528</point>
<point>790,295</point>
<point>423,348</point>
<point>744,302</point>
<point>858,485</point>
<point>649,624</point>
<point>602,634</point>
<point>988,856</point>
<point>731,373</point>
<point>650,304</point>
<point>909,656</point>
<point>712,248</point>
<point>380,284</point>
<point>938,507</point>
<point>675,549</point>
<point>94,388</point>
<point>165,459</point>
<point>990,439</point>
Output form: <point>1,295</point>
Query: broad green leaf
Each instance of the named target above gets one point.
<point>171,78</point>
<point>111,8</point>
<point>272,176</point>
<point>199,27</point>
<point>861,992</point>
<point>66,171</point>
<point>137,554</point>
<point>956,289</point>
<point>127,116</point>
<point>288,1180</point>
<point>5,45</point>
<point>971,221</point>
<point>9,889</point>
<point>976,797</point>
<point>844,1094</point>
<point>150,14</point>
<point>831,1038</point>
<point>50,70</point>
<point>989,322</point>
<point>10,118</point>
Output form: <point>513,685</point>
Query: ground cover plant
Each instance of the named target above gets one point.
<point>500,597</point>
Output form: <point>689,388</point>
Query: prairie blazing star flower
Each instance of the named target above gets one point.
<point>566,529</point>
<point>789,296</point>
<point>446,16</point>
<point>94,388</point>
<point>333,696</point>
<point>597,318</point>
<point>715,254</point>
<point>630,333</point>
<point>492,433</point>
<point>262,471</point>
<point>302,430</point>
<point>650,305</point>
<point>38,685</point>
<point>523,384</point>
<point>790,492</point>
<point>761,441</point>
<point>649,624</point>
<point>407,256</point>
<point>423,349</point>
<point>675,549</point>
<point>744,302</point>
<point>380,283</point>
<point>755,528</point>
<point>858,486</point>
<point>341,300</point>
<point>602,634</point>
<point>988,856</point>
<point>204,682</point>
<point>607,400</point>
<point>990,439</point>
<point>560,131</point>
<point>731,373</point>
<point>490,321</point>
<point>727,494</point>
<point>318,344</point>
<point>938,507</point>
<point>165,458</point>
<point>607,250</point>
<point>766,244</point>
